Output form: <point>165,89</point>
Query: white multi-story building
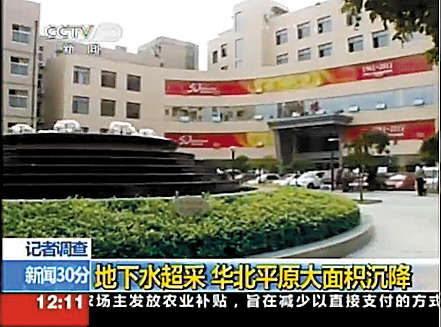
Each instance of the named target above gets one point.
<point>20,50</point>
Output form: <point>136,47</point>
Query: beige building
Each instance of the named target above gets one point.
<point>278,84</point>
<point>20,62</point>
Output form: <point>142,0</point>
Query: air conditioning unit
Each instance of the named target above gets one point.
<point>295,114</point>
<point>258,117</point>
<point>320,112</point>
<point>184,119</point>
<point>354,109</point>
<point>381,106</point>
<point>216,119</point>
<point>418,102</point>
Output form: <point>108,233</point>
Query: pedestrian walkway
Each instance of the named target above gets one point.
<point>406,225</point>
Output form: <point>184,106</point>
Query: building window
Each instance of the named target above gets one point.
<point>80,105</point>
<point>380,39</point>
<point>282,59</point>
<point>325,50</point>
<point>133,110</point>
<point>303,30</point>
<point>21,33</point>
<point>237,21</point>
<point>324,25</point>
<point>108,108</point>
<point>133,83</point>
<point>18,98</point>
<point>355,44</point>
<point>224,50</point>
<point>281,36</point>
<point>19,66</point>
<point>108,79</point>
<point>224,68</point>
<point>81,75</point>
<point>214,57</point>
<point>239,49</point>
<point>304,54</point>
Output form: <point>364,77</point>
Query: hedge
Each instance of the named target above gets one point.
<point>148,228</point>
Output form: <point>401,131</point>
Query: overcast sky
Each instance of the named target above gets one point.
<point>195,21</point>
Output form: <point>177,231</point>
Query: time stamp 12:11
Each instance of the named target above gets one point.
<point>54,302</point>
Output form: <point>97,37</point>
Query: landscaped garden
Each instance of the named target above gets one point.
<point>236,226</point>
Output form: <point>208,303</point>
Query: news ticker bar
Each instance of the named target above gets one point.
<point>82,309</point>
<point>65,265</point>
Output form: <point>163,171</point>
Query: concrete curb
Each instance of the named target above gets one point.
<point>334,247</point>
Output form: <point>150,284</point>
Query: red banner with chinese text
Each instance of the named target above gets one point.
<point>414,130</point>
<point>376,69</point>
<point>221,140</point>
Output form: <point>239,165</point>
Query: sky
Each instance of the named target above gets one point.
<point>196,21</point>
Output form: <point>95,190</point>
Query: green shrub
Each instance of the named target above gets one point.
<point>149,228</point>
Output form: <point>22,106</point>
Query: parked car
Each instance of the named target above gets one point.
<point>311,179</point>
<point>355,184</point>
<point>287,179</point>
<point>401,181</point>
<point>265,178</point>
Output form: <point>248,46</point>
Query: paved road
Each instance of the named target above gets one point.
<point>406,226</point>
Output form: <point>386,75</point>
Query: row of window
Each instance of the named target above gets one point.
<point>324,25</point>
<point>81,75</point>
<point>394,99</point>
<point>80,105</point>
<point>355,44</point>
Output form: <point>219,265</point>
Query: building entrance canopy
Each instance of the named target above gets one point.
<point>309,137</point>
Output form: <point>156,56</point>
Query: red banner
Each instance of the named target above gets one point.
<point>221,140</point>
<point>415,130</point>
<point>377,69</point>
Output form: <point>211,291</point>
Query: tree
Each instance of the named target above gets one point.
<point>407,16</point>
<point>429,150</point>
<point>363,152</point>
<point>302,165</point>
<point>241,163</point>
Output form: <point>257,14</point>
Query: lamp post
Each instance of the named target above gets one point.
<point>332,162</point>
<point>233,154</point>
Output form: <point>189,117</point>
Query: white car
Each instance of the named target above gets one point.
<point>288,179</point>
<point>310,179</point>
<point>265,178</point>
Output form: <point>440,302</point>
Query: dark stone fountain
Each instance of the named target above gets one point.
<point>60,165</point>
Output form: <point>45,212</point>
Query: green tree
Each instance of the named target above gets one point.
<point>407,17</point>
<point>429,150</point>
<point>241,163</point>
<point>302,165</point>
<point>363,152</point>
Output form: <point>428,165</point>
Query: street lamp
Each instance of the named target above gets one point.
<point>332,162</point>
<point>233,154</point>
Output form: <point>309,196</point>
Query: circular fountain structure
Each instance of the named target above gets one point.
<point>56,165</point>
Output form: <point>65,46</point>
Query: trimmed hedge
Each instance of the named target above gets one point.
<point>147,228</point>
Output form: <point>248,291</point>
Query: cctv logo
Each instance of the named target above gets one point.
<point>104,32</point>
